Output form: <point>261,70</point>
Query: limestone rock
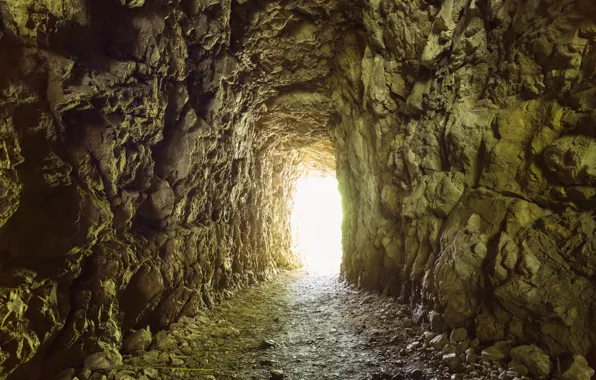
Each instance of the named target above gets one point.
<point>102,360</point>
<point>577,368</point>
<point>138,340</point>
<point>439,341</point>
<point>535,359</point>
<point>451,360</point>
<point>458,335</point>
<point>573,159</point>
<point>498,351</point>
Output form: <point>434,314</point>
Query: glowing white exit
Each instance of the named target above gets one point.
<point>316,223</point>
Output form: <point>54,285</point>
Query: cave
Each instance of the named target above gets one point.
<point>153,154</point>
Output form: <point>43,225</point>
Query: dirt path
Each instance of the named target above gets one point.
<point>318,326</point>
<point>297,326</point>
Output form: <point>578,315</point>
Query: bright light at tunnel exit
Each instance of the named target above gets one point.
<point>316,223</point>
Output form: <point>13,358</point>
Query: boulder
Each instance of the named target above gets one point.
<point>576,368</point>
<point>534,358</point>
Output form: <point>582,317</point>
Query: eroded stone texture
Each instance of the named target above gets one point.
<point>149,151</point>
<point>466,161</point>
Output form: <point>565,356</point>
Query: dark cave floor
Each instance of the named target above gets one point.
<point>298,326</point>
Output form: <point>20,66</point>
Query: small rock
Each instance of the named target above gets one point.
<point>267,362</point>
<point>439,341</point>
<point>85,374</point>
<point>458,335</point>
<point>151,357</point>
<point>451,361</point>
<point>150,373</point>
<point>268,343</point>
<point>518,367</point>
<point>498,351</point>
<point>413,346</point>
<point>437,322</point>
<point>167,344</point>
<point>471,358</point>
<point>137,341</point>
<point>576,369</point>
<point>177,362</point>
<point>125,375</point>
<point>163,357</point>
<point>463,346</point>
<point>428,336</point>
<point>416,374</point>
<point>277,374</point>
<point>507,375</point>
<point>449,349</point>
<point>536,360</point>
<point>102,360</point>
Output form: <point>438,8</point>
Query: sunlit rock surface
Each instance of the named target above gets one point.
<point>467,160</point>
<point>150,149</point>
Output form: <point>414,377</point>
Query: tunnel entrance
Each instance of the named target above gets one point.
<point>316,223</point>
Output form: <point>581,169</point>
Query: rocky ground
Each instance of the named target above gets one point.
<point>311,326</point>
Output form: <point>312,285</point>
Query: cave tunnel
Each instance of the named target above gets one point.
<point>297,189</point>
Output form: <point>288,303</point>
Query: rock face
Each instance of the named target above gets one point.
<point>149,151</point>
<point>142,173</point>
<point>466,159</point>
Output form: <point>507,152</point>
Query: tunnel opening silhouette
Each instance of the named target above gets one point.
<point>316,223</point>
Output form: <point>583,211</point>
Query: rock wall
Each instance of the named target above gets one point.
<point>467,161</point>
<point>141,176</point>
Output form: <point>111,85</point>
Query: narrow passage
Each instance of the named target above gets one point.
<point>298,326</point>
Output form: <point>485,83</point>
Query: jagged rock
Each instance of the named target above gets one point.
<point>137,341</point>
<point>535,359</point>
<point>518,368</point>
<point>427,336</point>
<point>449,349</point>
<point>498,351</point>
<point>458,335</point>
<point>439,341</point>
<point>573,159</point>
<point>102,360</point>
<point>471,357</point>
<point>451,360</point>
<point>576,368</point>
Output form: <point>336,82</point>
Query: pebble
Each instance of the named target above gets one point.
<point>277,374</point>
<point>439,341</point>
<point>518,367</point>
<point>416,374</point>
<point>449,349</point>
<point>458,335</point>
<point>498,351</point>
<point>268,343</point>
<point>451,360</point>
